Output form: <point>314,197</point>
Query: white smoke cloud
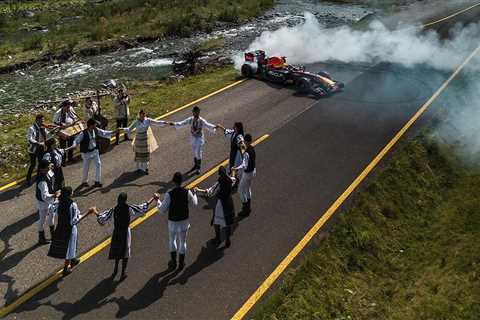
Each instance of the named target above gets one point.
<point>311,42</point>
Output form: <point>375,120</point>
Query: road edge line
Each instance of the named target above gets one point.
<point>56,275</point>
<point>268,282</point>
<point>168,113</point>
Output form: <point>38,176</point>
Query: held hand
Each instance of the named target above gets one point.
<point>156,196</point>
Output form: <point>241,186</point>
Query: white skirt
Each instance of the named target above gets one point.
<point>219,216</point>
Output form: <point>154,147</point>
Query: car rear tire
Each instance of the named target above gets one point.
<point>303,85</point>
<point>247,71</point>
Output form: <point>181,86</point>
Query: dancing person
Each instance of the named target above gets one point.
<point>46,196</point>
<point>64,238</point>
<point>55,157</point>
<point>196,124</point>
<point>122,214</point>
<point>248,172</point>
<point>36,137</point>
<point>120,102</point>
<point>235,136</point>
<point>64,117</point>
<point>144,143</point>
<point>224,213</point>
<point>89,151</point>
<point>176,202</point>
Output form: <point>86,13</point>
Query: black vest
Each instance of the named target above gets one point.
<point>251,159</point>
<point>233,149</point>
<point>40,178</point>
<point>85,143</point>
<point>178,210</point>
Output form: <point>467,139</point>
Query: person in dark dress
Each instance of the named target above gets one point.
<point>224,213</point>
<point>64,239</point>
<point>56,157</point>
<point>122,214</point>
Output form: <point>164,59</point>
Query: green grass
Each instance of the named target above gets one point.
<point>406,248</point>
<point>155,98</point>
<point>76,27</point>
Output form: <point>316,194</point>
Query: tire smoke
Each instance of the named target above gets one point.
<point>311,42</point>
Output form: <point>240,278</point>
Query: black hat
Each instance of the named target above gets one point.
<point>43,164</point>
<point>177,178</point>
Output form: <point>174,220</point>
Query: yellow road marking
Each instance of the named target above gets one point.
<point>253,299</point>
<point>90,253</point>
<point>451,16</point>
<point>76,153</point>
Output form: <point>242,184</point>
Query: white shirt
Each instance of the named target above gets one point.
<point>202,123</point>
<point>121,106</point>
<point>58,155</point>
<point>91,111</point>
<point>34,137</point>
<point>142,126</point>
<point>164,205</point>
<point>93,143</point>
<point>70,116</point>
<point>48,198</point>
<point>229,133</point>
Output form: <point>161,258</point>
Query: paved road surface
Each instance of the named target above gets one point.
<point>315,150</point>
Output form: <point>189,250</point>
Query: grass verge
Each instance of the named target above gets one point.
<point>406,248</point>
<point>155,97</point>
<point>80,27</point>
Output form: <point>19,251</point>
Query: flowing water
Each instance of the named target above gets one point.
<point>21,90</point>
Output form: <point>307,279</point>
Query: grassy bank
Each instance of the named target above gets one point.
<point>406,248</point>
<point>154,97</point>
<point>78,26</point>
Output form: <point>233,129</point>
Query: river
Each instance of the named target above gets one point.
<point>21,90</point>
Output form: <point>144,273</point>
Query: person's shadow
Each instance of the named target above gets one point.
<point>95,298</point>
<point>149,294</point>
<point>209,254</point>
<point>7,263</point>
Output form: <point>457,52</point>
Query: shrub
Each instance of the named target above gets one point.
<point>34,42</point>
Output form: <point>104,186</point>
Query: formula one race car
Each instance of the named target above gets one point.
<point>276,70</point>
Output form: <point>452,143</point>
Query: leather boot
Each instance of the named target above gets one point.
<point>172,264</point>
<point>52,231</point>
<point>181,261</point>
<point>198,166</point>
<point>41,238</point>
<point>244,212</point>
<point>249,206</point>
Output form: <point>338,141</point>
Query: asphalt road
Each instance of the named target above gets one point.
<point>315,150</point>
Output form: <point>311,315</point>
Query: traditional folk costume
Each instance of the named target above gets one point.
<point>45,195</point>
<point>120,103</point>
<point>144,143</point>
<point>248,171</point>
<point>224,212</point>
<point>64,239</point>
<point>62,118</point>
<point>235,158</point>
<point>198,140</point>
<point>55,156</point>
<point>36,136</point>
<point>91,111</point>
<point>176,202</point>
<point>122,236</point>
<point>89,152</point>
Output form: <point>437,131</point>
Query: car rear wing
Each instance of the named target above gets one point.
<point>255,56</point>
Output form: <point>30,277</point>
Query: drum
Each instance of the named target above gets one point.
<point>72,130</point>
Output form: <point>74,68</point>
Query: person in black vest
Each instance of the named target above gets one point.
<point>224,212</point>
<point>176,202</point>
<point>55,157</point>
<point>235,137</point>
<point>64,239</point>
<point>122,214</point>
<point>89,150</point>
<point>36,137</point>
<point>46,196</point>
<point>248,171</point>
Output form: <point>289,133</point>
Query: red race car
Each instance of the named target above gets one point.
<point>276,69</point>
